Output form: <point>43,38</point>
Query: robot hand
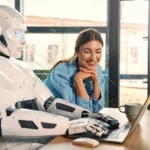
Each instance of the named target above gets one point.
<point>96,128</point>
<point>113,123</point>
<point>84,125</point>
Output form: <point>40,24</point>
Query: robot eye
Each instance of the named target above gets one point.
<point>17,32</point>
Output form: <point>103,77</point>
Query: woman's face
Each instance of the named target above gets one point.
<point>89,55</point>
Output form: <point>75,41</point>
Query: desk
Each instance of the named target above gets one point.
<point>138,140</point>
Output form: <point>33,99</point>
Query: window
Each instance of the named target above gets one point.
<point>133,51</point>
<point>70,13</point>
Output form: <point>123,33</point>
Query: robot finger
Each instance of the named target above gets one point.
<point>109,120</point>
<point>96,128</point>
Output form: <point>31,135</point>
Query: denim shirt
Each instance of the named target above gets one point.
<point>61,83</point>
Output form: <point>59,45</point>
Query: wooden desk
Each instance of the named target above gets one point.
<point>138,140</point>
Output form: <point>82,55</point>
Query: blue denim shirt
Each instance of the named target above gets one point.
<point>61,83</point>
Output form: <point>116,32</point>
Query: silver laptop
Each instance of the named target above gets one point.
<point>119,135</point>
<point>116,136</point>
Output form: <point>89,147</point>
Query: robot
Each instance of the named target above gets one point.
<point>29,114</point>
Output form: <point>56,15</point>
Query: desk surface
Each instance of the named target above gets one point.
<point>138,140</point>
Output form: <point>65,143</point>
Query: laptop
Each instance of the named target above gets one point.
<point>118,135</point>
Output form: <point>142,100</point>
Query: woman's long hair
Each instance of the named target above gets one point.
<point>84,37</point>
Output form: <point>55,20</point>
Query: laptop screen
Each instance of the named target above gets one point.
<point>140,115</point>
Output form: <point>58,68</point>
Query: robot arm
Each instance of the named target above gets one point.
<point>32,124</point>
<point>35,124</point>
<point>46,102</point>
<point>65,108</point>
<point>72,111</point>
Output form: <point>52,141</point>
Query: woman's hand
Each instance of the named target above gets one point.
<point>81,75</point>
<point>94,75</point>
<point>78,80</point>
<point>80,88</point>
<point>96,86</point>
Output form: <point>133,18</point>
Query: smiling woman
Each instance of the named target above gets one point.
<point>79,79</point>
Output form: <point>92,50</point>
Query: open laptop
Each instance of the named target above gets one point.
<point>118,135</point>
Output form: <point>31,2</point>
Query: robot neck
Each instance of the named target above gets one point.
<point>3,55</point>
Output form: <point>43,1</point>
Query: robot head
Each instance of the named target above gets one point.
<point>12,32</point>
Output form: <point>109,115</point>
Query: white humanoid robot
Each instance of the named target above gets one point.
<point>28,111</point>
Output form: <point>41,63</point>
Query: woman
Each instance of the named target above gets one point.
<point>79,79</point>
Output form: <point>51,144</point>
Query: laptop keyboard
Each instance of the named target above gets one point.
<point>118,132</point>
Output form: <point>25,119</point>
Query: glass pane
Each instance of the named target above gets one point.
<point>133,51</point>
<point>44,50</point>
<point>10,3</point>
<point>66,12</point>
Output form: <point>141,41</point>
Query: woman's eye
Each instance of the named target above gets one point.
<point>87,51</point>
<point>98,52</point>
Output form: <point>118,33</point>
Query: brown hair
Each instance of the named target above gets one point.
<point>84,37</point>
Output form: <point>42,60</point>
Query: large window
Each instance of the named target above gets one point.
<point>133,51</point>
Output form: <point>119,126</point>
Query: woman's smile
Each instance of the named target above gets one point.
<point>91,63</point>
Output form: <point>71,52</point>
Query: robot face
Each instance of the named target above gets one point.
<point>13,30</point>
<point>15,38</point>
